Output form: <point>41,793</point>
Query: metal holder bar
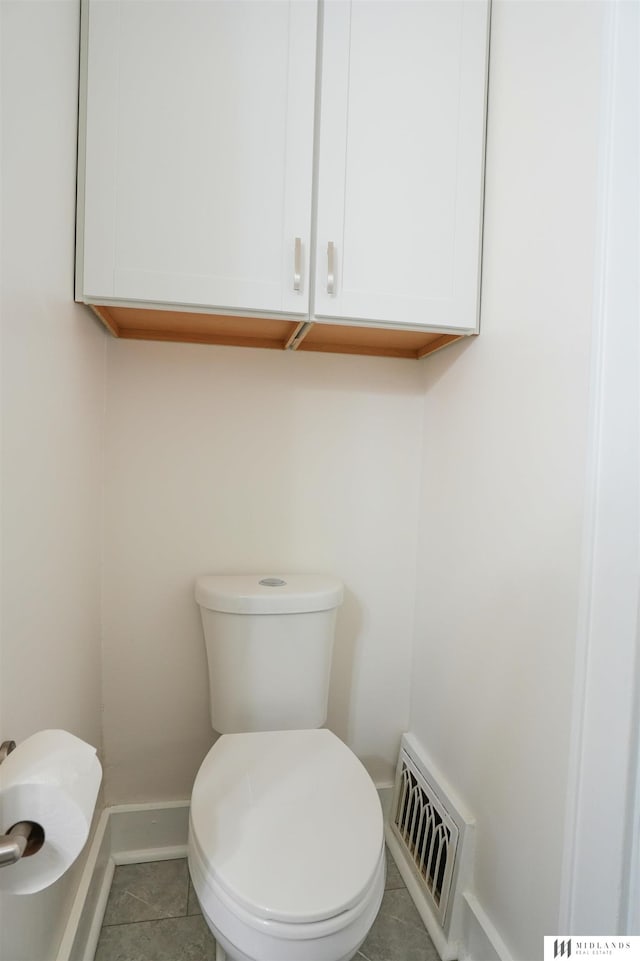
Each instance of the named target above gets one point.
<point>14,844</point>
<point>6,748</point>
<point>24,838</point>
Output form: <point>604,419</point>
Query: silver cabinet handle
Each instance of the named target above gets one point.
<point>297,264</point>
<point>331,268</point>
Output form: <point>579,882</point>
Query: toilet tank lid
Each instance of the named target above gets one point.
<point>268,593</point>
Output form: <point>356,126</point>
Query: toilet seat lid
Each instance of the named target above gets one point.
<point>288,823</point>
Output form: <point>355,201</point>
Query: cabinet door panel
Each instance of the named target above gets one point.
<point>199,151</point>
<point>401,161</point>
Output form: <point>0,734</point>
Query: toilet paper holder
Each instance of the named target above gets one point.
<point>24,838</point>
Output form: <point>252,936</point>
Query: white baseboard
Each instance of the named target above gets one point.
<point>482,941</point>
<point>126,834</point>
<point>149,832</point>
<point>91,897</point>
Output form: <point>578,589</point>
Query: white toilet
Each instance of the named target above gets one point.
<point>286,846</point>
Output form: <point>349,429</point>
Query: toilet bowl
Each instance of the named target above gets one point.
<point>286,846</point>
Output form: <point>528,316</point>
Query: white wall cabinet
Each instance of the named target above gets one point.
<point>401,162</point>
<point>199,147</point>
<point>233,187</point>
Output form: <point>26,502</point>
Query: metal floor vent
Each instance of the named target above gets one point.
<point>427,833</point>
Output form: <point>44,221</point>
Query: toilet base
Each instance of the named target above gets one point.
<point>233,954</point>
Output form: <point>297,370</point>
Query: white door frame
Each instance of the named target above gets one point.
<point>601,867</point>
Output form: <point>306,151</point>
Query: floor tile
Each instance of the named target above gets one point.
<point>153,915</point>
<point>147,892</point>
<point>394,880</point>
<point>192,904</point>
<point>171,939</point>
<point>398,933</point>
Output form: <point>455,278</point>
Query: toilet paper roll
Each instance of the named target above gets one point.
<point>51,778</point>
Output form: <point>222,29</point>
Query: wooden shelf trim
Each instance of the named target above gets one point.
<point>144,323</point>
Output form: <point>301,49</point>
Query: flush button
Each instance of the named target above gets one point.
<point>272,582</point>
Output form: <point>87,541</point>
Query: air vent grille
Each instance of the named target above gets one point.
<point>427,833</point>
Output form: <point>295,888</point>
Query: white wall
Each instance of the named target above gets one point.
<point>233,460</point>
<point>504,470</point>
<point>52,417</point>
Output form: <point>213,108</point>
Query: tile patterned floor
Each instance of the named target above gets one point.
<point>153,915</point>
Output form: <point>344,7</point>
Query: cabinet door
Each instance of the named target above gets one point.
<point>199,152</point>
<point>401,162</point>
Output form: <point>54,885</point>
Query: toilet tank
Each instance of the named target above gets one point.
<point>269,642</point>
